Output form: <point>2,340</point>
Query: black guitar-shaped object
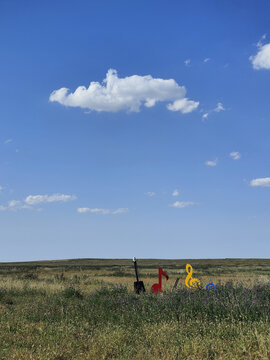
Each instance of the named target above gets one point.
<point>138,285</point>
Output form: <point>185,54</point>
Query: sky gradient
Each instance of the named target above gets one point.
<point>167,159</point>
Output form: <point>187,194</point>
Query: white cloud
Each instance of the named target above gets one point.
<point>17,205</point>
<point>187,62</point>
<point>235,155</point>
<point>151,193</point>
<point>1,188</point>
<point>14,203</point>
<point>175,192</point>
<point>262,59</point>
<point>32,200</point>
<point>182,204</point>
<point>211,162</point>
<point>205,116</point>
<point>120,211</point>
<point>128,93</point>
<point>264,182</point>
<point>260,42</point>
<point>219,107</point>
<point>183,105</point>
<point>102,211</point>
<point>8,141</point>
<point>38,199</point>
<point>206,60</point>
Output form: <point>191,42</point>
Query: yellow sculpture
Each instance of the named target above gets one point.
<point>191,283</point>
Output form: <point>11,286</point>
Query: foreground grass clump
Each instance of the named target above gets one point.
<point>114,323</point>
<point>227,302</point>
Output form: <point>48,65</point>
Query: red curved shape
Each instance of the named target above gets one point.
<point>156,288</point>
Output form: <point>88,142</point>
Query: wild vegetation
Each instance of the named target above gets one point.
<point>86,309</point>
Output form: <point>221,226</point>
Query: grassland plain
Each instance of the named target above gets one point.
<point>86,309</point>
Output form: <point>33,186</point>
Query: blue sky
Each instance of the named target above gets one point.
<point>167,159</point>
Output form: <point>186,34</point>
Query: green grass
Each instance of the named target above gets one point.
<point>86,309</point>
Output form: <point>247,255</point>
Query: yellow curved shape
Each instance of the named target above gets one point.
<point>189,276</point>
<point>190,282</point>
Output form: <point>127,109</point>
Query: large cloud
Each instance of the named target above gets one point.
<point>262,59</point>
<point>128,93</point>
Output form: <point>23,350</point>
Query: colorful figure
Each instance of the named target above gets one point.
<point>191,283</point>
<point>210,286</point>
<point>156,288</point>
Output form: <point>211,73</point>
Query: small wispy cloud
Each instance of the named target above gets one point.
<point>263,182</point>
<point>205,116</point>
<point>30,201</point>
<point>182,204</point>
<point>206,60</point>
<point>14,205</point>
<point>102,211</point>
<point>38,199</point>
<point>235,155</point>
<point>184,105</point>
<point>260,42</point>
<point>219,107</point>
<point>211,162</point>
<point>187,62</point>
<point>17,205</point>
<point>8,141</point>
<point>175,192</point>
<point>150,193</point>
<point>1,188</point>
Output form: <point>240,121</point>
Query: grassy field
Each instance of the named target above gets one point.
<point>86,309</point>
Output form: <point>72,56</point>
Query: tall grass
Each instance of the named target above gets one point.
<point>84,310</point>
<point>114,323</point>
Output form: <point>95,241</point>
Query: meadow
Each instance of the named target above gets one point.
<point>87,309</point>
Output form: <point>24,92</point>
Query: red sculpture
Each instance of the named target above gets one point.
<point>156,288</point>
